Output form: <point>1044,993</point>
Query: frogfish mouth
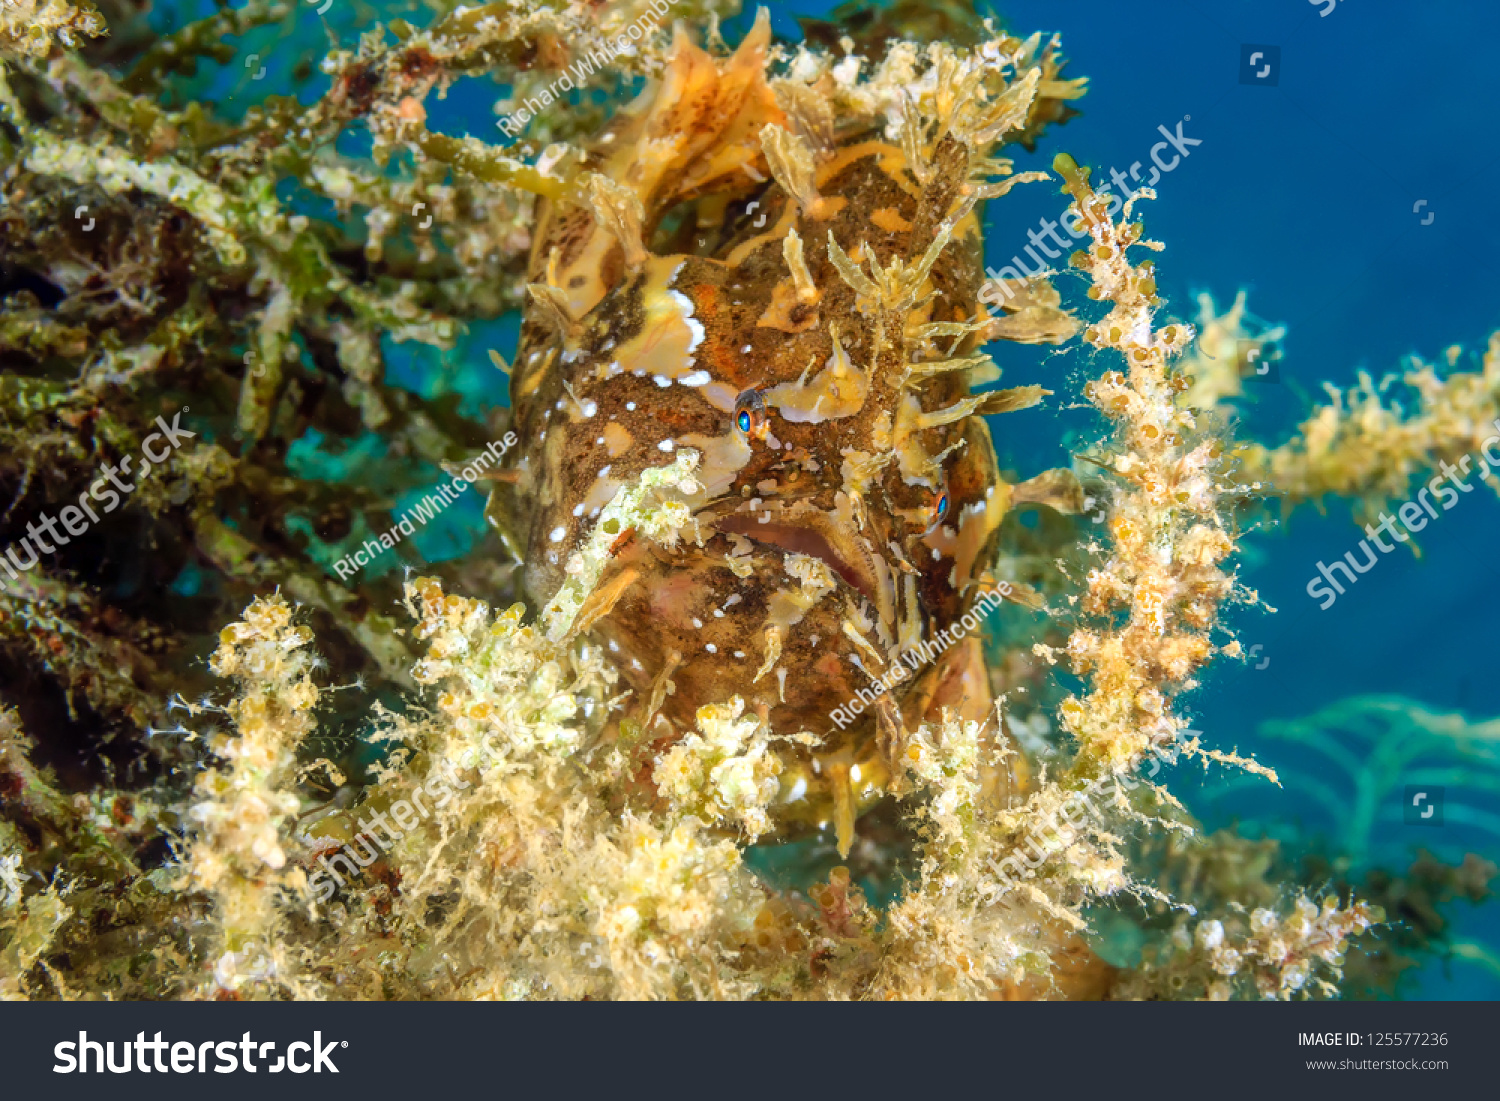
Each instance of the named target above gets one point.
<point>793,299</point>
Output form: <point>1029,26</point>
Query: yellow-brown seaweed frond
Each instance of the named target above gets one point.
<point>619,210</point>
<point>242,849</point>
<point>29,923</point>
<point>1229,346</point>
<point>1366,446</point>
<point>1155,597</point>
<point>522,859</point>
<point>540,889</point>
<point>34,28</point>
<point>1265,954</point>
<point>1003,85</point>
<point>969,927</point>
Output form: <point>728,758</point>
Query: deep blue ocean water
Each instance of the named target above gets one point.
<point>1351,198</point>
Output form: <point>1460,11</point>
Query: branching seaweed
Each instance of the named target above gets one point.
<point>481,837</point>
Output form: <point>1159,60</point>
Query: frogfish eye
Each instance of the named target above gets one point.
<point>940,507</point>
<point>750,415</point>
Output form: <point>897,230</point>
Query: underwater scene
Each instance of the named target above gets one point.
<point>675,499</point>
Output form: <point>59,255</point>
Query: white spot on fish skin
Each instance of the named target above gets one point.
<point>697,378</point>
<point>711,648</point>
<point>557,534</point>
<point>854,773</point>
<point>639,372</point>
<point>604,473</point>
<point>698,623</point>
<point>635,663</point>
<point>559,404</point>
<point>630,407</point>
<point>813,641</point>
<point>665,445</point>
<point>593,513</point>
<point>745,349</point>
<point>685,304</point>
<point>661,380</point>
<point>552,557</point>
<point>739,653</point>
<point>734,598</point>
<point>718,613</point>
<point>614,647</point>
<point>590,408</point>
<point>799,789</point>
<point>936,554</point>
<point>599,442</point>
<point>578,509</point>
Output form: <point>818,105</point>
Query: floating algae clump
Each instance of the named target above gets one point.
<point>377,786</point>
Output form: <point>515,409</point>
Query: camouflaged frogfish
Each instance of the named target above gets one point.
<point>737,276</point>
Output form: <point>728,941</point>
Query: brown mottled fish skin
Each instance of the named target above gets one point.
<point>653,362</point>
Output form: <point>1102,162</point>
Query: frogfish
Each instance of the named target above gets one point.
<point>794,297</point>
